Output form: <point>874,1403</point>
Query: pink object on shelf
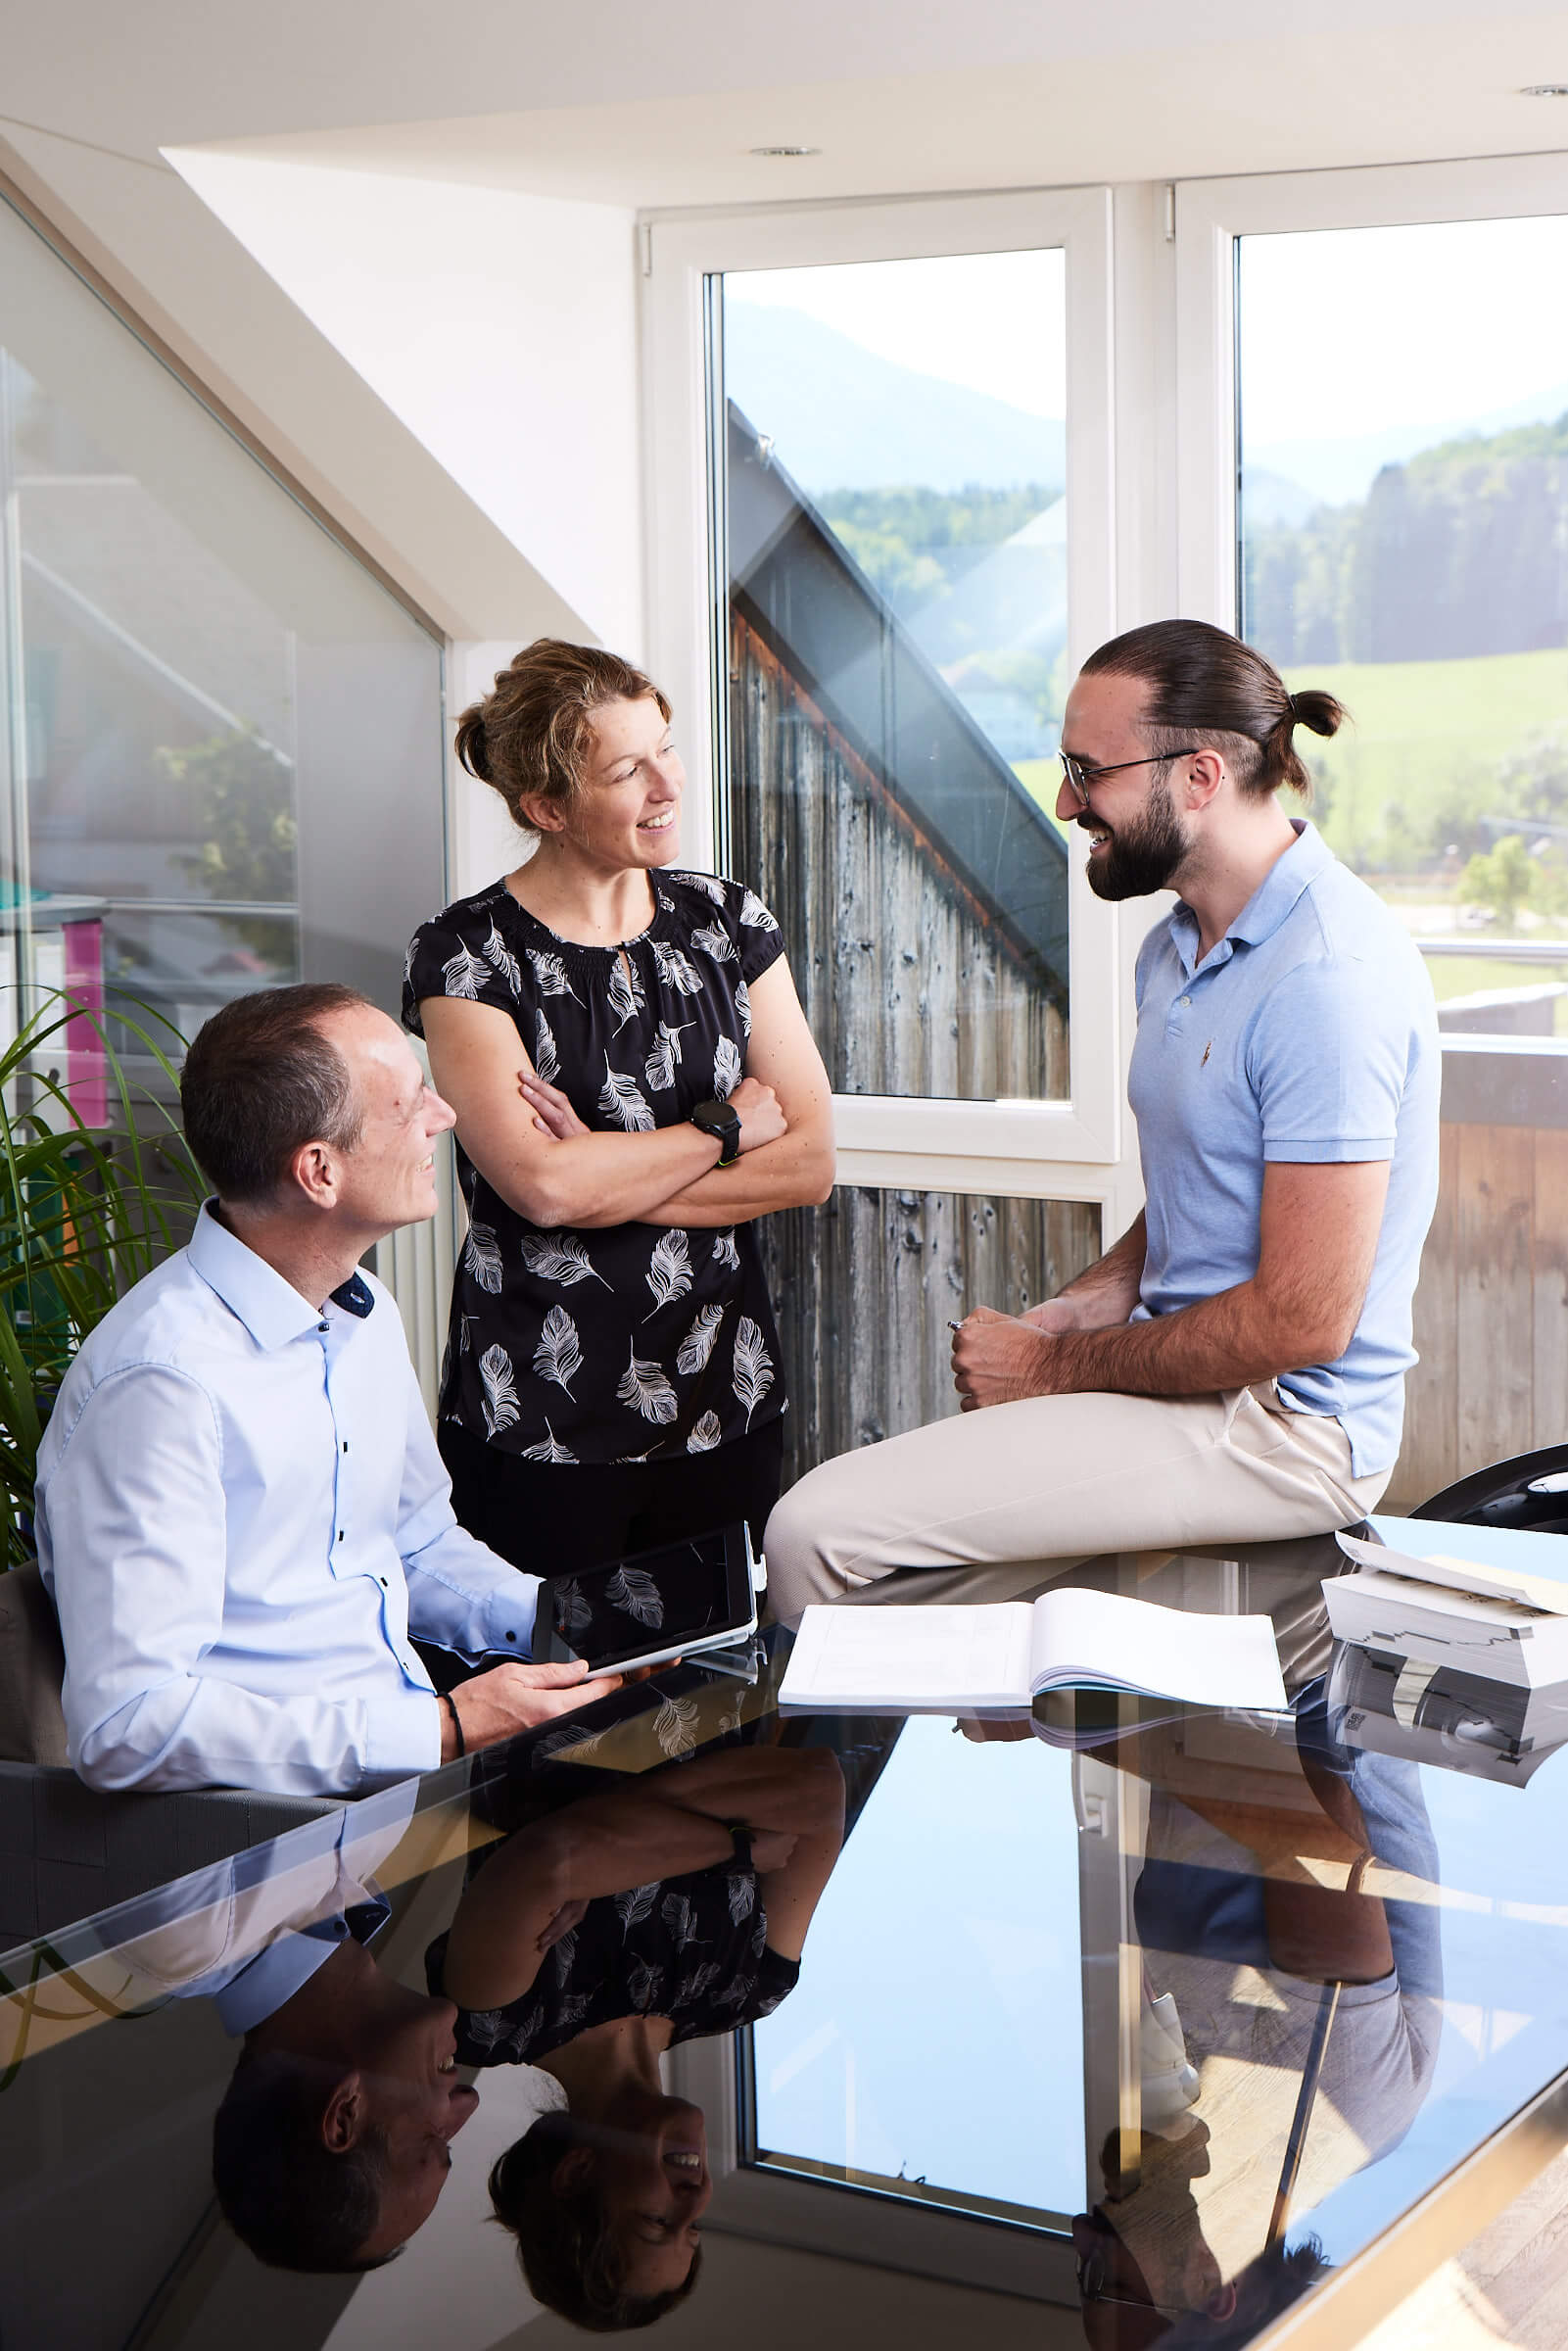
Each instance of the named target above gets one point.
<point>85,1077</point>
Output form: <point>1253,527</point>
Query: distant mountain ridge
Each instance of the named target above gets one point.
<point>842,417</point>
<point>1454,552</point>
<point>1338,472</point>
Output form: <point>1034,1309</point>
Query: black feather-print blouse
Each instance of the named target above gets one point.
<point>693,1949</point>
<point>635,1342</point>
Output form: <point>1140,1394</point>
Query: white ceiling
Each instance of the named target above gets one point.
<point>621,102</point>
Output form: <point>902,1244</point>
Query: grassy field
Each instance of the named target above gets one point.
<point>1425,733</point>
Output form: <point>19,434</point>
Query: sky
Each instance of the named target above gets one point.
<point>995,322</point>
<point>1345,332</point>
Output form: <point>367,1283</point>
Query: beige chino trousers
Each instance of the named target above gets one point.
<point>993,1504</point>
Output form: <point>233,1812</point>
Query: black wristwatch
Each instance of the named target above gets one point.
<point>723,1120</point>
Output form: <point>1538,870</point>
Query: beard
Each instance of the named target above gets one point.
<point>1145,853</point>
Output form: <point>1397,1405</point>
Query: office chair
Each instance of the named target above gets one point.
<point>1530,1490</point>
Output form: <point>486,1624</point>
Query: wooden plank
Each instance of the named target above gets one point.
<point>1496,1356</point>
<point>1549,1336</point>
<point>908,986</point>
<point>1429,1455</point>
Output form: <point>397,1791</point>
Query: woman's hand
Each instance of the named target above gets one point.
<point>552,1113</point>
<point>762,1119</point>
<point>760,1112</point>
<point>771,1848</point>
<point>560,1922</point>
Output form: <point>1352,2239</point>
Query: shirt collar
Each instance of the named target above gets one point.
<point>1283,884</point>
<point>271,1309</point>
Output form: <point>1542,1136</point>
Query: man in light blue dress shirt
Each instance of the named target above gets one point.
<point>330,2145</point>
<point>1232,1370</point>
<point>241,1512</point>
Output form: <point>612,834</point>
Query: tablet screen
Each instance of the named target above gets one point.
<point>649,1605</point>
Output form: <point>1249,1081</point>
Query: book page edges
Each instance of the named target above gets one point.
<point>1451,1573</point>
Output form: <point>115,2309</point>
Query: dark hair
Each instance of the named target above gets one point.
<point>284,2193</point>
<point>530,734</point>
<point>566,2243</point>
<point>1203,682</point>
<point>1265,2288</point>
<point>261,1080</point>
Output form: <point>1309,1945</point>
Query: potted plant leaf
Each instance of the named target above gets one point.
<point>86,1207</point>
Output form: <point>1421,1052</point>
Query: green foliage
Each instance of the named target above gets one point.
<point>1533,779</point>
<point>915,543</point>
<point>242,800</point>
<point>84,1211</point>
<point>1456,552</point>
<point>1500,879</point>
<point>968,517</point>
<point>1434,748</point>
<point>906,577</point>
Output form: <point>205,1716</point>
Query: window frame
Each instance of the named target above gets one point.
<point>1069,1150</point>
<point>1211,216</point>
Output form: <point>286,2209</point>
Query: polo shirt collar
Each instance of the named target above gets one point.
<point>1289,874</point>
<point>271,1309</point>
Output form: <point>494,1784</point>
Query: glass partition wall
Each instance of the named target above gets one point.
<point>222,764</point>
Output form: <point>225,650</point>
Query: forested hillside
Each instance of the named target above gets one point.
<point>915,543</point>
<point>1460,550</point>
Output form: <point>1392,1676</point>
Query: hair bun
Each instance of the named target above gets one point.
<point>474,752</point>
<point>1314,708</point>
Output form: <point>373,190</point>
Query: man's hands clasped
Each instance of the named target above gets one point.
<point>1000,1359</point>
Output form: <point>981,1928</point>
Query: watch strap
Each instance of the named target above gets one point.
<point>721,1119</point>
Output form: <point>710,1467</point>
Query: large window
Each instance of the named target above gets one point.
<point>1404,541</point>
<point>870,429</point>
<point>1374,487</point>
<point>223,763</point>
<point>895,512</point>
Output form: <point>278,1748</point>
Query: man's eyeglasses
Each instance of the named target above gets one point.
<point>1079,777</point>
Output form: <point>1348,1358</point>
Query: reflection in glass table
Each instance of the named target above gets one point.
<point>1113,2024</point>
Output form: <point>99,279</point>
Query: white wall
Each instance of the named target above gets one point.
<point>178,268</point>
<point>499,329</point>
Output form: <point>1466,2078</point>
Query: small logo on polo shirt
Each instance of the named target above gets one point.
<point>1208,1049</point>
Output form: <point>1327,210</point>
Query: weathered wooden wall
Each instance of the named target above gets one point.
<point>909,989</point>
<point>865,1288</point>
<point>908,986</point>
<point>1491,1305</point>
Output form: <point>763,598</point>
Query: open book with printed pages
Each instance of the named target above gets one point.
<point>995,1659</point>
<point>1492,1599</point>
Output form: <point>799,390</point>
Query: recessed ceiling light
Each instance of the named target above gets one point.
<point>1544,89</point>
<point>784,151</point>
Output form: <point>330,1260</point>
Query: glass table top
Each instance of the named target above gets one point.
<point>1122,2023</point>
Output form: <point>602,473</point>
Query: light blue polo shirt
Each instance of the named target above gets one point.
<point>1308,1032</point>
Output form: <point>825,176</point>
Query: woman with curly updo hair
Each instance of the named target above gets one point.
<point>635,1085</point>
